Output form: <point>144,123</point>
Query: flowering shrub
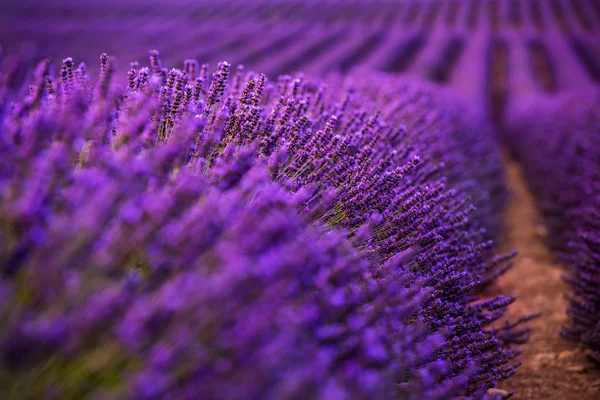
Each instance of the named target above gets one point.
<point>452,133</point>
<point>181,235</point>
<point>560,157</point>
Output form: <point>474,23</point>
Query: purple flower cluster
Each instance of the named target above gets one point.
<point>561,159</point>
<point>185,235</point>
<point>452,133</point>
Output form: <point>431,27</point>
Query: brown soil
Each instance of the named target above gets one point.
<point>552,367</point>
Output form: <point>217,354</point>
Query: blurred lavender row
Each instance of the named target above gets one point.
<point>492,52</point>
<point>173,234</point>
<point>558,142</point>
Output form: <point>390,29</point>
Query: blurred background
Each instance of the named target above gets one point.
<point>499,54</point>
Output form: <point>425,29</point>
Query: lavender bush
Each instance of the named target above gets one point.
<point>453,134</point>
<point>175,234</point>
<point>560,157</point>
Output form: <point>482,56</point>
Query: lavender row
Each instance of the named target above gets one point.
<point>179,234</point>
<point>577,15</point>
<point>491,52</point>
<point>558,143</point>
<point>453,133</point>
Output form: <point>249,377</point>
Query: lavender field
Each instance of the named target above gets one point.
<point>300,199</point>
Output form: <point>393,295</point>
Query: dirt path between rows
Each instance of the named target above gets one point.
<point>552,367</point>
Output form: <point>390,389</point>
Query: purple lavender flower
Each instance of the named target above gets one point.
<point>451,133</point>
<point>251,239</point>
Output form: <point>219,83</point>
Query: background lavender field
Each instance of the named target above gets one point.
<point>335,219</point>
<point>492,52</point>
